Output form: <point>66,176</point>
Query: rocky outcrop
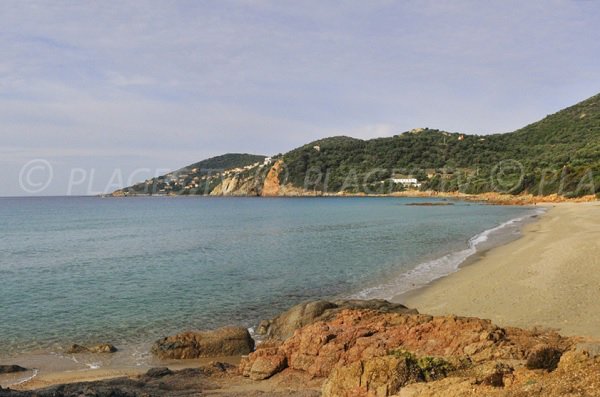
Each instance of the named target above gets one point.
<point>284,325</point>
<point>101,348</point>
<point>544,357</point>
<point>577,374</point>
<point>238,186</point>
<point>267,362</point>
<point>226,187</point>
<point>271,185</point>
<point>9,369</point>
<point>379,376</point>
<point>229,341</point>
<point>370,353</point>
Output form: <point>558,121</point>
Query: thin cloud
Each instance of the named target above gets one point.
<point>266,76</point>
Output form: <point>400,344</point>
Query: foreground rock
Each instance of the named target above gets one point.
<point>284,325</point>
<point>155,383</point>
<point>577,375</point>
<point>9,369</point>
<point>370,353</point>
<point>229,341</point>
<point>102,348</point>
<point>212,380</point>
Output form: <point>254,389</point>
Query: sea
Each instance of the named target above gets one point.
<point>131,270</point>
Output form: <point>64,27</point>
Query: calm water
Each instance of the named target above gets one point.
<point>129,270</point>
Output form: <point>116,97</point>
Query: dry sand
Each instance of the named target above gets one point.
<point>549,278</point>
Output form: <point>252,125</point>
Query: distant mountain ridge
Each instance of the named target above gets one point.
<point>227,161</point>
<point>190,178</point>
<point>558,154</point>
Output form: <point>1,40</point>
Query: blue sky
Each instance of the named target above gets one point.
<point>106,88</point>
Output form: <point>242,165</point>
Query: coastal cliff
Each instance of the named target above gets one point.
<point>556,156</point>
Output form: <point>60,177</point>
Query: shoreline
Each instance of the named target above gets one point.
<point>429,271</point>
<point>56,372</point>
<point>423,298</point>
<point>495,243</point>
<point>548,278</point>
<point>489,197</point>
<point>55,368</point>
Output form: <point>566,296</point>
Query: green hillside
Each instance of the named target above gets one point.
<point>559,154</point>
<point>226,161</point>
<point>197,178</point>
<point>554,155</point>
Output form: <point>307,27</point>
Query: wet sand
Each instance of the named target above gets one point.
<point>549,278</point>
<point>53,369</point>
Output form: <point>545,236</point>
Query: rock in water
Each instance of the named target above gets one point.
<point>9,369</point>
<point>228,341</point>
<point>101,348</point>
<point>76,349</point>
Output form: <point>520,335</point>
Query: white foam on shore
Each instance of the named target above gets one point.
<point>426,272</point>
<point>92,365</point>
<point>23,381</point>
<point>141,356</point>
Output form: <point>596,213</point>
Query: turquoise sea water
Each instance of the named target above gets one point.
<point>129,270</point>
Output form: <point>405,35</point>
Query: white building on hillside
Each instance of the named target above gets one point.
<point>407,181</point>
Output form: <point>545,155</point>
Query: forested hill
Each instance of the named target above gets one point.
<point>193,178</point>
<point>559,154</point>
<point>552,155</point>
<point>226,161</point>
<point>570,137</point>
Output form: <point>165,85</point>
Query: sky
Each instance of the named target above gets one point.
<point>95,95</point>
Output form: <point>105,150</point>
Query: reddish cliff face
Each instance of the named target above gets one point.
<point>271,186</point>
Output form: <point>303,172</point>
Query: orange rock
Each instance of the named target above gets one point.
<point>356,350</point>
<point>228,341</point>
<point>271,184</point>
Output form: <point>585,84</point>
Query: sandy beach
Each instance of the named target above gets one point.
<point>548,278</point>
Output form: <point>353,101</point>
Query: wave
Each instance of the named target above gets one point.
<point>25,380</point>
<point>426,272</point>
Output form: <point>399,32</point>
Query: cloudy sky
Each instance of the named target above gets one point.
<point>101,93</point>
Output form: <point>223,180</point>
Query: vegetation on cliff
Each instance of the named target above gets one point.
<point>557,155</point>
<point>198,178</point>
<point>226,162</point>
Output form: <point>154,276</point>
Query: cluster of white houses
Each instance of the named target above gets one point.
<point>194,178</point>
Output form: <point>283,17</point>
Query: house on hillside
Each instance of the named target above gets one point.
<point>407,181</point>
